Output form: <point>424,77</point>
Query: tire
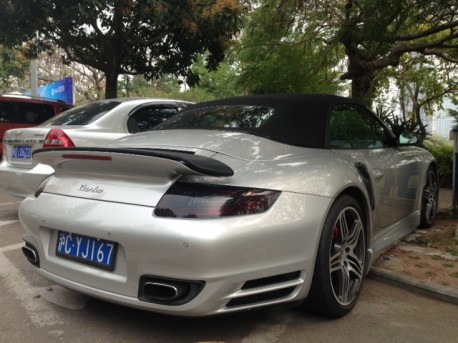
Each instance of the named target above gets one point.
<point>341,261</point>
<point>429,199</point>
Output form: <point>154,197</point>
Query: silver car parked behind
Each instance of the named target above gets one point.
<point>93,124</point>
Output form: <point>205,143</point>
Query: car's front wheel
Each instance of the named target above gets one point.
<point>341,260</point>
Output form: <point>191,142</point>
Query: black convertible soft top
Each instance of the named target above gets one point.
<point>298,119</point>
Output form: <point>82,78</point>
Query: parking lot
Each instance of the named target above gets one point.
<point>36,310</point>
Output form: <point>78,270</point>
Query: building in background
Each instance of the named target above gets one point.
<point>441,123</point>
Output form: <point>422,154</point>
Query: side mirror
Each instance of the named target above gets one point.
<point>407,138</point>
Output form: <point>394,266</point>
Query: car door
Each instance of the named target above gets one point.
<point>393,173</point>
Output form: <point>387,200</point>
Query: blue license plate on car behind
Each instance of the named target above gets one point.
<point>96,252</point>
<point>22,152</point>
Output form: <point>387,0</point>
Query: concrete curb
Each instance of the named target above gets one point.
<point>440,292</point>
<point>444,293</point>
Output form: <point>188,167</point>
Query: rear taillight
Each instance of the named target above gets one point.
<point>192,200</point>
<point>57,138</point>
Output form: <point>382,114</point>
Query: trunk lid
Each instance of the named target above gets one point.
<point>18,145</point>
<point>133,176</point>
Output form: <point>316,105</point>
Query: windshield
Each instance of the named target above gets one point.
<point>83,115</point>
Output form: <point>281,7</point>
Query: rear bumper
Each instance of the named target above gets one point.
<point>244,262</point>
<point>21,182</point>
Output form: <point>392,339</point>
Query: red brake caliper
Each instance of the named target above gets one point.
<point>335,232</point>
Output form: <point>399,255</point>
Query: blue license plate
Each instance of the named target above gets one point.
<point>96,252</point>
<point>22,152</point>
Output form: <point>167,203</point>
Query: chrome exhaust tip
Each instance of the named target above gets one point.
<point>166,291</point>
<point>161,291</point>
<point>31,254</point>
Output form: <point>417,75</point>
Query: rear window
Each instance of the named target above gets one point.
<point>25,113</point>
<point>289,124</point>
<point>83,115</point>
<point>240,117</point>
<point>150,116</point>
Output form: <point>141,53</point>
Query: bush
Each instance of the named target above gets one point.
<point>440,148</point>
<point>442,151</point>
<point>399,126</point>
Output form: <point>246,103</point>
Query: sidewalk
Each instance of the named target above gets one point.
<point>422,269</point>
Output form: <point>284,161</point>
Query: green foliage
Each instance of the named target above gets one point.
<point>453,249</point>
<point>138,86</point>
<point>441,149</point>
<point>423,82</point>
<point>375,34</point>
<point>196,94</point>
<point>443,153</point>
<point>212,84</point>
<point>398,125</point>
<point>13,64</point>
<point>454,114</point>
<point>276,54</point>
<point>165,87</point>
<point>220,83</point>
<point>150,38</point>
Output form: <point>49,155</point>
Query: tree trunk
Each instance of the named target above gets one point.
<point>361,87</point>
<point>111,88</point>
<point>419,123</point>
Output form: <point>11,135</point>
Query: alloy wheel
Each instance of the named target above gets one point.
<point>347,256</point>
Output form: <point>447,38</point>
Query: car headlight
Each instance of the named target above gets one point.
<point>195,200</point>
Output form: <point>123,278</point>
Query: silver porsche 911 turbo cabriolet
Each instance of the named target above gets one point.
<point>231,205</point>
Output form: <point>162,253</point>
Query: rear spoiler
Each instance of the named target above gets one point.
<point>198,164</point>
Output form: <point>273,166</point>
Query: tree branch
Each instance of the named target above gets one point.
<point>426,33</point>
<point>393,58</point>
<point>441,55</point>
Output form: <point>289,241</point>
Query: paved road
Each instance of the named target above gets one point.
<point>35,310</point>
